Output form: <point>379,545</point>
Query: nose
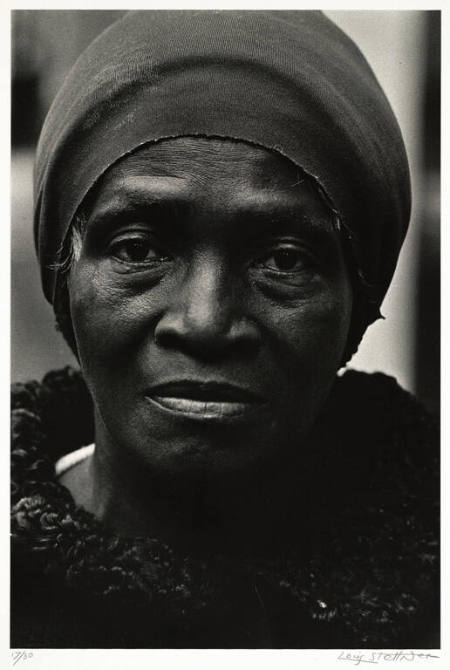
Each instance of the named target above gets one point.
<point>205,318</point>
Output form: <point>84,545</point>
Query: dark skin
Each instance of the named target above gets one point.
<point>211,307</point>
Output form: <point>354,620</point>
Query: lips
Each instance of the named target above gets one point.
<point>204,399</point>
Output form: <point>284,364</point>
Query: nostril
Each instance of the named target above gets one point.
<point>241,337</point>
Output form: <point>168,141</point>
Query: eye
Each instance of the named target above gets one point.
<point>135,249</point>
<point>286,258</point>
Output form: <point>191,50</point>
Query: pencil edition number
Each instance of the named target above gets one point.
<point>20,656</point>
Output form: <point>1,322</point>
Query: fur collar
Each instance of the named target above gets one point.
<point>369,578</point>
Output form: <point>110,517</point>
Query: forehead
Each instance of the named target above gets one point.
<point>224,175</point>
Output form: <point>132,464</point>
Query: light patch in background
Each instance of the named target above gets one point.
<point>36,346</point>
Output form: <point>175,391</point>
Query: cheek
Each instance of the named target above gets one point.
<point>308,345</point>
<point>313,332</point>
<point>107,321</point>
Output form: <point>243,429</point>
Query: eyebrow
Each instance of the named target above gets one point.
<point>113,212</point>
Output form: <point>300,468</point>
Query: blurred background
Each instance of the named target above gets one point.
<point>403,48</point>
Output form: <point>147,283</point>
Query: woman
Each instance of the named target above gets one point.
<point>221,198</point>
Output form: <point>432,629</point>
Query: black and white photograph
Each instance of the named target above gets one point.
<point>225,331</point>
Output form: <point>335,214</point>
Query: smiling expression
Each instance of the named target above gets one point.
<point>211,306</point>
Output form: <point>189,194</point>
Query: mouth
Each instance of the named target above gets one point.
<point>205,400</point>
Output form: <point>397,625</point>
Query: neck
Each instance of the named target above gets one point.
<point>236,513</point>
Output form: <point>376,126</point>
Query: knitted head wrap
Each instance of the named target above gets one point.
<point>289,81</point>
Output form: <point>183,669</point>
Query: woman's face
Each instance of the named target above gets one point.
<point>211,306</point>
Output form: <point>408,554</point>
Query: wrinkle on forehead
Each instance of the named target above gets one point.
<point>200,158</point>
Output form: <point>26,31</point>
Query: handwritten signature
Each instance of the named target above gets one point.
<point>379,656</point>
<point>21,656</point>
